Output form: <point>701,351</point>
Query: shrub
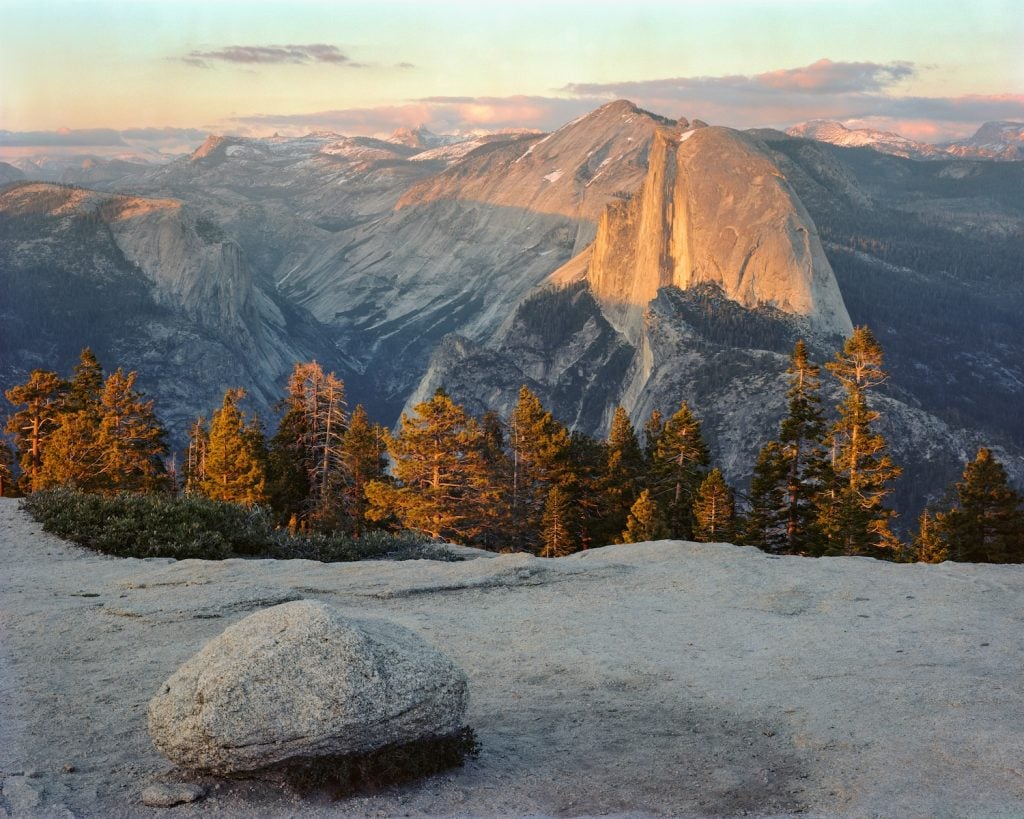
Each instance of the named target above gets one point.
<point>129,525</point>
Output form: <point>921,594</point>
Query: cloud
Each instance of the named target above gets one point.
<point>439,114</point>
<point>151,142</point>
<point>822,90</point>
<point>827,77</point>
<point>271,55</point>
<point>63,138</point>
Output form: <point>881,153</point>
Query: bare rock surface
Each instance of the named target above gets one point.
<point>299,680</point>
<point>169,795</point>
<point>714,207</point>
<point>652,679</point>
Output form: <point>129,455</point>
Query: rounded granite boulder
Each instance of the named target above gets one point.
<point>300,681</point>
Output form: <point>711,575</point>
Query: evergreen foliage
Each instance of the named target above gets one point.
<point>987,524</point>
<point>195,457</point>
<point>929,545</point>
<point>234,470</point>
<point>7,487</point>
<point>539,459</point>
<point>440,470</point>
<point>364,455</point>
<point>714,510</point>
<point>583,480</point>
<point>191,526</point>
<point>645,521</point>
<point>623,474</point>
<point>791,473</point>
<point>42,398</point>
<point>652,434</point>
<point>524,481</point>
<point>678,468</point>
<point>852,513</point>
<point>765,525</point>
<point>86,387</point>
<point>131,439</point>
<point>557,528</point>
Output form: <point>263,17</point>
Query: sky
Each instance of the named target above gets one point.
<point>160,75</point>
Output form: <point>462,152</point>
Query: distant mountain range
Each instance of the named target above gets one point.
<point>994,140</point>
<point>625,258</point>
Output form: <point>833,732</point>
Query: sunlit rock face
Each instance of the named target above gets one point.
<point>713,209</point>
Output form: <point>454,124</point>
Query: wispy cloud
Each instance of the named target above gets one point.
<point>823,77</point>
<point>271,55</point>
<point>66,138</point>
<point>822,90</point>
<point>443,114</point>
<point>102,141</point>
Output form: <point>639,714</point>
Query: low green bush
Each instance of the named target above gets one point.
<point>129,525</point>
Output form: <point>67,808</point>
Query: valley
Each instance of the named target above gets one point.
<point>625,258</point>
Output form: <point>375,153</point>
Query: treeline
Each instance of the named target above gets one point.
<point>521,482</point>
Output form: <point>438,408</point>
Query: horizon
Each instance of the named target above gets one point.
<point>157,77</point>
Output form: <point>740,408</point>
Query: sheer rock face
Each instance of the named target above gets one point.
<point>299,680</point>
<point>713,208</point>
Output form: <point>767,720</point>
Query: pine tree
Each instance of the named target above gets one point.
<point>653,430</point>
<point>801,436</point>
<point>766,521</point>
<point>74,455</point>
<point>6,469</point>
<point>714,510</point>
<point>195,457</point>
<point>620,483</point>
<point>496,532</point>
<point>288,461</point>
<point>645,521</point>
<point>42,397</point>
<point>582,479</point>
<point>233,470</point>
<point>853,516</point>
<point>538,449</point>
<point>363,454</point>
<point>987,524</point>
<point>929,542</point>
<point>86,387</point>
<point>556,524</point>
<point>679,461</point>
<point>441,472</point>
<point>130,437</point>
<point>306,464</point>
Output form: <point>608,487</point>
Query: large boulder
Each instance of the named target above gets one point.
<point>300,681</point>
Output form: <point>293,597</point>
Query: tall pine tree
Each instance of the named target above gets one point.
<point>131,438</point>
<point>645,521</point>
<point>987,524</point>
<point>929,544</point>
<point>714,510</point>
<point>41,399</point>
<point>442,479</point>
<point>6,469</point>
<point>852,512</point>
<point>791,472</point>
<point>234,471</point>
<point>557,530</point>
<point>538,450</point>
<point>766,521</point>
<point>623,472</point>
<point>364,454</point>
<point>678,469</point>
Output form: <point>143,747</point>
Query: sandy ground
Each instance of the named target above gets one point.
<point>653,679</point>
